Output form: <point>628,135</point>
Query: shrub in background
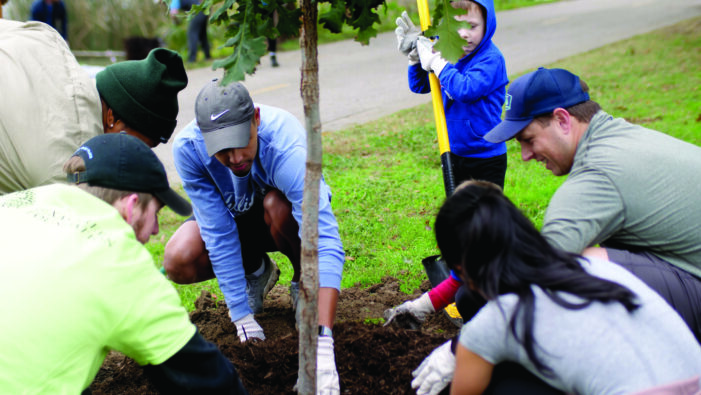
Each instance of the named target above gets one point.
<point>104,24</point>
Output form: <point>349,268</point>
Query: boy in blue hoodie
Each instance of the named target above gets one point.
<point>473,89</point>
<point>473,93</point>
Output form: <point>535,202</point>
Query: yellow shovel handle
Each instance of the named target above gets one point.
<point>438,112</point>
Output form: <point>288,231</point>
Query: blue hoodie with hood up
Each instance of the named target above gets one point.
<point>473,93</point>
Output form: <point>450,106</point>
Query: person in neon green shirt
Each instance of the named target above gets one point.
<point>76,251</point>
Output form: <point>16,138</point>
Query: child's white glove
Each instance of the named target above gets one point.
<point>430,60</point>
<point>435,372</point>
<point>407,34</point>
<point>413,57</point>
<point>419,308</point>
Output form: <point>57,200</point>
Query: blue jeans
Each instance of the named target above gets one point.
<point>197,34</point>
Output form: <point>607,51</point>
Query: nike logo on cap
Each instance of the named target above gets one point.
<point>214,117</point>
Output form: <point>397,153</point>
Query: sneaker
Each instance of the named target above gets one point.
<point>273,61</point>
<point>294,298</point>
<point>294,295</point>
<point>257,288</point>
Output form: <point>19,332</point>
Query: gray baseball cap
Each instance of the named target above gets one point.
<point>224,116</point>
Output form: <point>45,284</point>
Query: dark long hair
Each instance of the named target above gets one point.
<point>500,251</point>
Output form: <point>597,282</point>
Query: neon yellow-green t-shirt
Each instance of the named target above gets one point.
<point>74,284</point>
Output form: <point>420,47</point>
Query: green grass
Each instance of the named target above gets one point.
<point>386,177</point>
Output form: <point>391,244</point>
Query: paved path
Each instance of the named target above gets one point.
<point>362,83</point>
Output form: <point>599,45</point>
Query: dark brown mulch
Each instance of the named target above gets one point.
<point>370,358</point>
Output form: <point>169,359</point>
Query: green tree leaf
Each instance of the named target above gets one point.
<point>289,18</point>
<point>364,14</point>
<point>220,13</point>
<point>446,28</point>
<point>247,41</point>
<point>243,60</point>
<point>334,19</point>
<point>249,22</point>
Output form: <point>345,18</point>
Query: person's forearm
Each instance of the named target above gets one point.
<point>472,372</point>
<point>199,367</point>
<point>217,229</point>
<point>328,299</point>
<point>444,293</point>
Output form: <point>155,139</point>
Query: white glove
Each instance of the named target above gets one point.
<point>419,308</point>
<point>327,382</point>
<point>407,34</point>
<point>435,372</point>
<point>430,60</point>
<point>413,57</point>
<point>248,329</point>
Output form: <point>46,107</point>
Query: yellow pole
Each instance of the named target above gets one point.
<point>438,112</point>
<point>444,147</point>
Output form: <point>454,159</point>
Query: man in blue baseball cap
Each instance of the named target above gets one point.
<point>633,192</point>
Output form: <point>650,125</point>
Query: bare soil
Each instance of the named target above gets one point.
<point>370,358</point>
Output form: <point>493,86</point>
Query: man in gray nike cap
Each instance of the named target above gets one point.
<point>242,165</point>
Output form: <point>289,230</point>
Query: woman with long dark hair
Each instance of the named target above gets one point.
<point>584,326</point>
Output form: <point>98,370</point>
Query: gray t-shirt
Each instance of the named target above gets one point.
<point>633,188</point>
<point>601,349</point>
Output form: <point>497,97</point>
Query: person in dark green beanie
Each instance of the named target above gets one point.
<point>140,96</point>
<point>50,105</point>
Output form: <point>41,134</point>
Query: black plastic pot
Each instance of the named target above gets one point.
<point>436,269</point>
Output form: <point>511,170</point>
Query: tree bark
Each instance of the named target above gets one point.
<point>309,281</point>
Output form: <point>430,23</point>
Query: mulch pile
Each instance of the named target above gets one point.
<point>370,358</point>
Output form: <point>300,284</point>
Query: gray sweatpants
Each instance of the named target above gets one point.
<point>681,289</point>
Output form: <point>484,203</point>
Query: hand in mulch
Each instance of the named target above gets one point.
<point>399,319</point>
<point>370,358</point>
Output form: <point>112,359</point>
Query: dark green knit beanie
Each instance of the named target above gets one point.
<point>144,93</point>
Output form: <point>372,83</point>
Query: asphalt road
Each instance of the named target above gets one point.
<point>362,83</point>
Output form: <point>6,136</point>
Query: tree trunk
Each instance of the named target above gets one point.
<point>309,281</point>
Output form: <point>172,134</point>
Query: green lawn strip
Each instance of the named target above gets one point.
<point>386,178</point>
